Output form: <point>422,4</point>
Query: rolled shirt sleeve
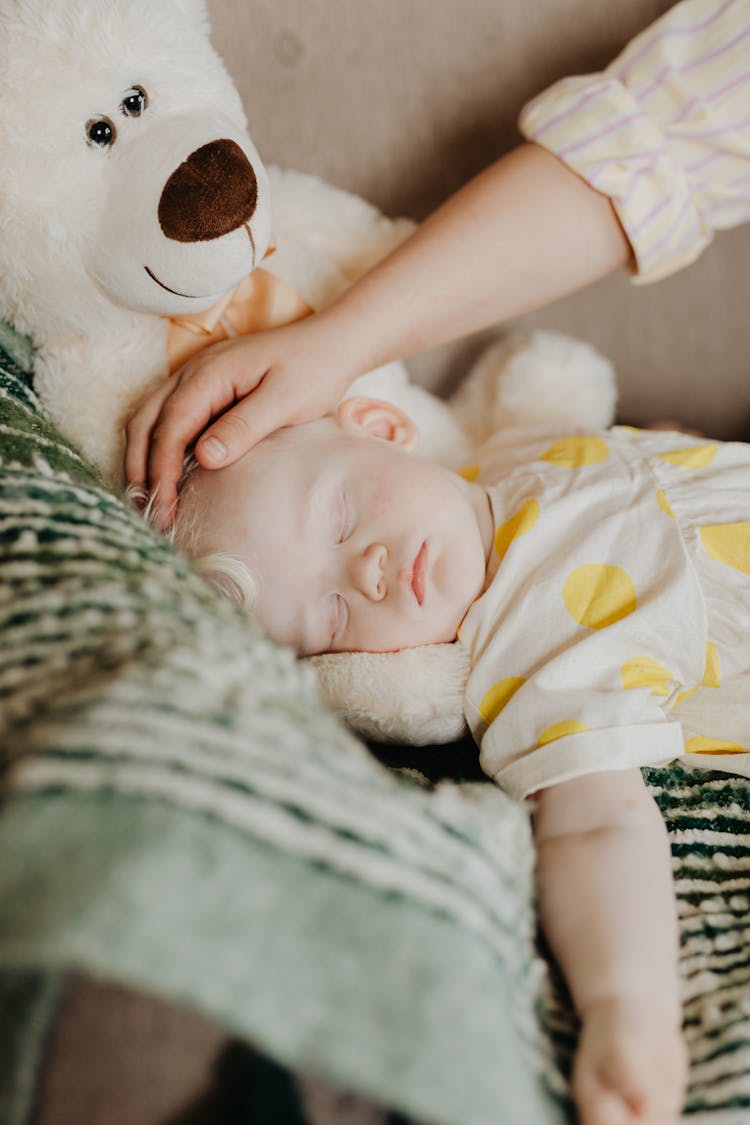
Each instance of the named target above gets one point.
<point>664,132</point>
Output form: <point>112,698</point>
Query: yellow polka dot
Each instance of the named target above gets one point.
<point>685,695</point>
<point>518,524</point>
<point>701,745</point>
<point>694,457</point>
<point>664,503</point>
<point>597,595</point>
<point>469,472</point>
<point>497,697</point>
<point>559,730</point>
<point>642,671</point>
<point>632,429</point>
<point>728,543</point>
<point>572,452</point>
<point>712,671</point>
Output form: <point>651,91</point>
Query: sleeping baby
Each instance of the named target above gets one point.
<point>600,584</point>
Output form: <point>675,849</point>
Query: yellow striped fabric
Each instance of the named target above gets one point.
<point>664,131</point>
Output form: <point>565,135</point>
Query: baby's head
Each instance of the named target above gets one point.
<point>348,541</point>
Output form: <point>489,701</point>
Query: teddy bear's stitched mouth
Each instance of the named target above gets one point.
<point>176,292</point>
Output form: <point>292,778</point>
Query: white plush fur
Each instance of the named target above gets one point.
<point>80,224</point>
<point>411,696</point>
<point>545,379</point>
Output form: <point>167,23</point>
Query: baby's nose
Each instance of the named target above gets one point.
<point>367,571</point>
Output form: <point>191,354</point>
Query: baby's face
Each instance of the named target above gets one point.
<point>355,543</point>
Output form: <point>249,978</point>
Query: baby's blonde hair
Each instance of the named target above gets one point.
<point>229,576</point>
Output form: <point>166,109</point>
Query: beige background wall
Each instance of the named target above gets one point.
<point>402,100</point>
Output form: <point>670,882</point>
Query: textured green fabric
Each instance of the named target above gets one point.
<point>181,813</point>
<point>28,1005</point>
<point>708,817</point>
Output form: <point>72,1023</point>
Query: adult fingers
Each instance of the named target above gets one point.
<point>184,414</point>
<point>138,435</point>
<point>276,402</point>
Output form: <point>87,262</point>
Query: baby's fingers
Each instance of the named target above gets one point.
<point>597,1104</point>
<point>606,1108</point>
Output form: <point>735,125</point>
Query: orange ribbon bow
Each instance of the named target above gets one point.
<point>259,302</point>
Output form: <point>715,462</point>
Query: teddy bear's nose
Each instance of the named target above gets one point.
<point>212,193</point>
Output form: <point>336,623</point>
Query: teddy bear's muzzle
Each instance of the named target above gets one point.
<point>213,192</point>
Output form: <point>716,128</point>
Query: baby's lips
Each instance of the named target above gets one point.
<point>419,573</point>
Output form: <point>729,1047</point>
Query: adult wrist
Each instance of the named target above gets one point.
<point>344,341</point>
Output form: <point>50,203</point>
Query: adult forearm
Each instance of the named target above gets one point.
<point>525,231</point>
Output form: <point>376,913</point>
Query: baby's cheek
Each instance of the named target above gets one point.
<point>384,501</point>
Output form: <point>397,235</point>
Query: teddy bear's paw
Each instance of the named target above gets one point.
<point>537,379</point>
<point>414,696</point>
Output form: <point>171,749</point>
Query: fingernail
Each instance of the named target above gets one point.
<point>213,447</point>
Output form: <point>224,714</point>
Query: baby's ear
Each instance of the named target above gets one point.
<point>379,419</point>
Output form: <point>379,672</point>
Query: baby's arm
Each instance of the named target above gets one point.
<point>607,910</point>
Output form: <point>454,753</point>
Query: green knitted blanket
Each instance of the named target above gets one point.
<point>181,813</point>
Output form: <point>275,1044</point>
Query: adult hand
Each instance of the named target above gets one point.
<point>250,385</point>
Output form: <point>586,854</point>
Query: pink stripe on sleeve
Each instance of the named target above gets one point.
<point>738,80</point>
<point>657,247</point>
<point>731,127</point>
<point>704,162</point>
<point>649,217</point>
<point>655,83</point>
<point>598,169</point>
<point>592,138</point>
<point>574,108</point>
<point>667,32</point>
<point>694,64</point>
<point>686,110</point>
<point>720,50</point>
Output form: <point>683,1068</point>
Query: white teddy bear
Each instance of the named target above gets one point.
<point>132,198</point>
<point>135,228</point>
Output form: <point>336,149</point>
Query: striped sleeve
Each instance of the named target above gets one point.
<point>664,131</point>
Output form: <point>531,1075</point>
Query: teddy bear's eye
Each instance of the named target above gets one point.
<point>100,131</point>
<point>134,102</point>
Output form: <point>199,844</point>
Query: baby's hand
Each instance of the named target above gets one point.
<point>251,385</point>
<point>631,1065</point>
